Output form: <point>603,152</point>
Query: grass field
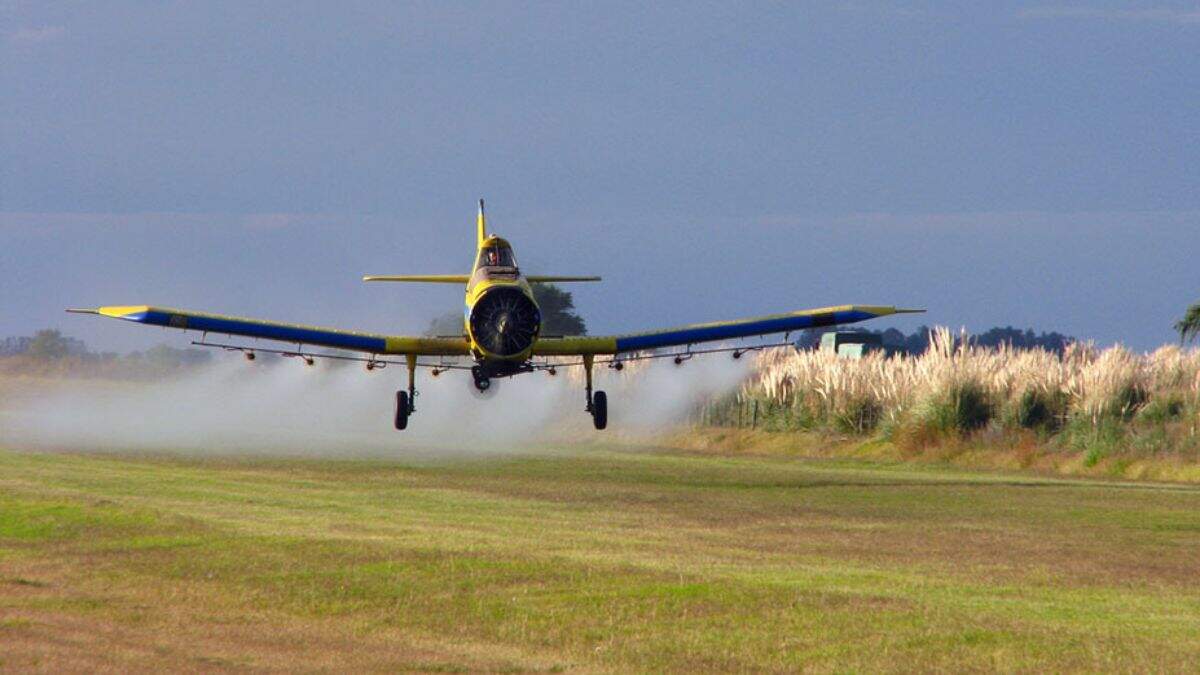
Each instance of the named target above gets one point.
<point>590,559</point>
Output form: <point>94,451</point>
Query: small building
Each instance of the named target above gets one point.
<point>851,344</point>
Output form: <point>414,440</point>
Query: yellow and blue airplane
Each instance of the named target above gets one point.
<point>502,330</point>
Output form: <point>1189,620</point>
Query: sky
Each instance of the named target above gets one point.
<point>1004,163</point>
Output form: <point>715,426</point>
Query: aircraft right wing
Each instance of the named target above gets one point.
<point>709,332</point>
<point>546,279</point>
<point>421,278</point>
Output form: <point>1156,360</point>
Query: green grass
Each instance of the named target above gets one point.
<point>588,560</point>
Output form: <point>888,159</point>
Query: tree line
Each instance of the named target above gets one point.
<point>50,353</point>
<point>917,342</point>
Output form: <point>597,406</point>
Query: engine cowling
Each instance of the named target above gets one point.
<point>505,321</point>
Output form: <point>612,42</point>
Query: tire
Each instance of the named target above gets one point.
<point>401,410</point>
<point>600,409</point>
<point>485,394</point>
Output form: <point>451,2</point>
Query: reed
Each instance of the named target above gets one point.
<point>957,389</point>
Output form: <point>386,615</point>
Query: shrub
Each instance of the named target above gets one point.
<point>1113,384</point>
<point>1096,440</point>
<point>1162,409</point>
<point>858,415</point>
<point>962,407</point>
<point>957,387</point>
<point>1040,409</point>
<point>1128,400</point>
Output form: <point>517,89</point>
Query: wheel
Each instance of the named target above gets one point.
<point>482,380</point>
<point>482,385</point>
<point>488,391</point>
<point>600,409</point>
<point>401,410</point>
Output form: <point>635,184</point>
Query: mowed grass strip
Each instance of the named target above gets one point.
<point>595,560</point>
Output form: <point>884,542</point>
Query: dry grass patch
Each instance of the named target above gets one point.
<point>594,560</point>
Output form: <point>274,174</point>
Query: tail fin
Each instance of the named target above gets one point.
<point>481,224</point>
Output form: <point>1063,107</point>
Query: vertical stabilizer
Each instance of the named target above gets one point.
<point>481,224</point>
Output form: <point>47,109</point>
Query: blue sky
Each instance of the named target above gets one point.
<point>1022,163</point>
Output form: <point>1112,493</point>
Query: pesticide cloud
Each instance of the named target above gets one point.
<point>281,407</point>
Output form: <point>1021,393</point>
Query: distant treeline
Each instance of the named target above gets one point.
<point>918,342</point>
<point>50,353</point>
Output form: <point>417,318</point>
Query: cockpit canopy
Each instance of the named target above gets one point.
<point>496,254</point>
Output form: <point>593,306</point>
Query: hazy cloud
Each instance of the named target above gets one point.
<point>36,36</point>
<point>880,9</point>
<point>1162,15</point>
<point>270,221</point>
<point>58,223</point>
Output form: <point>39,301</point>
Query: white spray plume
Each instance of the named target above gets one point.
<point>235,407</point>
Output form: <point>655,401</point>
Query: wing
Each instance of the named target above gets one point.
<point>710,332</point>
<point>421,278</point>
<point>463,278</point>
<point>374,343</point>
<point>547,279</point>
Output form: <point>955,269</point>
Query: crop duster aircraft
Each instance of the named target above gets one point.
<point>502,331</point>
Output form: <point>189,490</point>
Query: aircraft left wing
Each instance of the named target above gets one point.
<point>710,332</point>
<point>374,343</point>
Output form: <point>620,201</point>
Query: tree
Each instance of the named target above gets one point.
<point>558,314</point>
<point>450,323</point>
<point>558,311</point>
<point>1023,339</point>
<point>48,344</point>
<point>1189,325</point>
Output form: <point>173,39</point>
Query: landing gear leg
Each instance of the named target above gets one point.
<point>406,401</point>
<point>482,381</point>
<point>597,403</point>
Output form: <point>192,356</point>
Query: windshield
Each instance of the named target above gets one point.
<point>496,256</point>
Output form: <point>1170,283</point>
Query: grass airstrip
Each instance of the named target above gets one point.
<point>599,559</point>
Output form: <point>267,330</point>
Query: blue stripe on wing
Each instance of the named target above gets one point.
<point>731,330</point>
<point>260,329</point>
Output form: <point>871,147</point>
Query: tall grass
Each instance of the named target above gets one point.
<point>956,389</point>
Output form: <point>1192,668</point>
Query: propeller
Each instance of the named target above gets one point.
<point>505,321</point>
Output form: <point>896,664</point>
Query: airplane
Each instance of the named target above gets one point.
<point>502,331</point>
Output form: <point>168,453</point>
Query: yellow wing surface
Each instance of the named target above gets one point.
<point>548,279</point>
<point>711,332</point>
<point>460,279</point>
<point>374,343</point>
<point>464,278</point>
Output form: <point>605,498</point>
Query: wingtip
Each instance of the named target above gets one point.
<point>79,310</point>
<point>885,310</point>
